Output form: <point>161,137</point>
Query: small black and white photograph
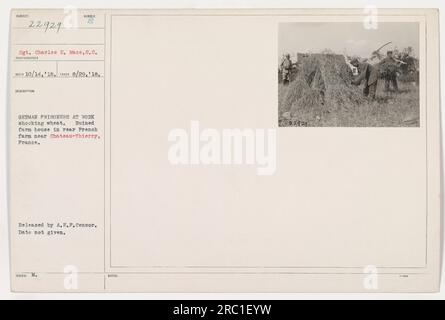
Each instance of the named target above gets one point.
<point>343,74</point>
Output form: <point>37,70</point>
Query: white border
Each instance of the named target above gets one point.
<point>6,5</point>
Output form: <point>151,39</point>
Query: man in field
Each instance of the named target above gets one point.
<point>388,69</point>
<point>286,66</point>
<point>369,75</point>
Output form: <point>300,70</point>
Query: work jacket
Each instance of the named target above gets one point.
<point>367,73</point>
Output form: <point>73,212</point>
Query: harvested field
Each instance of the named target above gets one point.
<point>322,95</point>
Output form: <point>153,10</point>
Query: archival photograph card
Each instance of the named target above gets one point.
<point>224,150</point>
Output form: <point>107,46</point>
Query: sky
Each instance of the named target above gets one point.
<point>346,37</point>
